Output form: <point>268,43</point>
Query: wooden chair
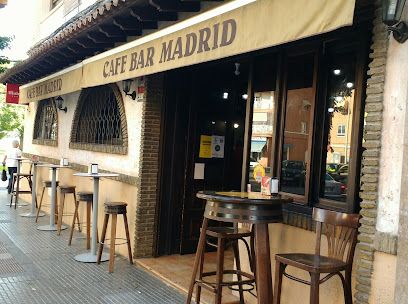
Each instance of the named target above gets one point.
<point>16,191</point>
<point>341,232</point>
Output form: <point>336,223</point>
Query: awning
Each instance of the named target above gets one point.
<point>237,27</point>
<point>257,145</point>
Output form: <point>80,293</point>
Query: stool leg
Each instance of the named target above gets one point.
<point>60,213</point>
<point>88,225</point>
<point>200,251</point>
<point>39,207</point>
<point>73,223</point>
<point>112,242</point>
<point>128,238</point>
<point>105,226</point>
<point>220,270</point>
<point>200,276</point>
<point>238,266</point>
<point>77,214</point>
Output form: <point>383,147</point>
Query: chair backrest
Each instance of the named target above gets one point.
<point>341,231</point>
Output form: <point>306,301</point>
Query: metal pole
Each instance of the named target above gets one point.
<point>53,191</point>
<point>95,214</point>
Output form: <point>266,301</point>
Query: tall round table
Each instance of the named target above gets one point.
<point>90,256</point>
<point>242,207</point>
<point>33,212</point>
<point>52,226</point>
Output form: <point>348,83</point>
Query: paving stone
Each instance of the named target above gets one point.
<point>38,267</point>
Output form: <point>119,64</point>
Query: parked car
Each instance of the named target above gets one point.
<point>293,172</point>
<point>334,189</point>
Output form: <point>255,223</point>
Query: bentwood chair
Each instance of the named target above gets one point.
<point>341,233</point>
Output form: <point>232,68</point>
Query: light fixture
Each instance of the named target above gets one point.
<point>336,71</point>
<point>126,88</point>
<point>236,126</point>
<point>338,98</point>
<point>225,95</point>
<point>330,110</point>
<point>59,103</point>
<point>349,85</point>
<point>213,122</point>
<point>245,96</point>
<point>237,72</point>
<point>392,10</point>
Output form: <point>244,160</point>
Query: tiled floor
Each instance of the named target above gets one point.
<point>177,269</point>
<point>37,267</point>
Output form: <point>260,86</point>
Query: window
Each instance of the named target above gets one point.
<point>99,121</point>
<point>341,130</point>
<point>45,125</point>
<point>54,3</point>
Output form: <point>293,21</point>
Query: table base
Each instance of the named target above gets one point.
<point>90,258</point>
<point>30,214</point>
<point>51,228</point>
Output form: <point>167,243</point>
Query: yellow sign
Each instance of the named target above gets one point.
<point>205,146</point>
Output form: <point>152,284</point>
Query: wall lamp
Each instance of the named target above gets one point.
<point>59,103</point>
<point>392,10</point>
<point>126,88</point>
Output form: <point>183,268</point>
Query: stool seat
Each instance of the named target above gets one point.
<point>47,183</point>
<point>67,189</point>
<point>85,196</point>
<point>228,232</point>
<point>115,207</point>
<point>23,174</point>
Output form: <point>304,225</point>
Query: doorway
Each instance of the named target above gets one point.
<point>203,141</point>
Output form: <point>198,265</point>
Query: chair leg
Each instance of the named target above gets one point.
<point>348,297</point>
<point>61,212</point>
<point>102,243</point>
<point>39,207</point>
<point>200,276</point>
<point>279,269</point>
<point>88,226</point>
<point>128,238</point>
<point>200,251</point>
<point>235,248</point>
<point>314,288</point>
<point>220,270</point>
<point>112,242</point>
<point>73,223</point>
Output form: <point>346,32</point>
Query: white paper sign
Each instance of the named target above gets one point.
<point>199,170</point>
<point>217,146</point>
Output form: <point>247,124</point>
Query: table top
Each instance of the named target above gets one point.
<point>52,166</point>
<point>242,197</point>
<point>96,174</point>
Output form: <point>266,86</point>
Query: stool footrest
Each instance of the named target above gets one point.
<point>108,243</point>
<point>207,285</point>
<point>250,279</point>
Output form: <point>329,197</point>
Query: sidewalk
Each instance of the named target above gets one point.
<point>38,267</point>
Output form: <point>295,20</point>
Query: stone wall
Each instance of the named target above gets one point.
<point>371,157</point>
<point>149,166</point>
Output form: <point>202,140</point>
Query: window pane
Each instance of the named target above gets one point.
<point>263,121</point>
<point>338,126</point>
<point>298,125</point>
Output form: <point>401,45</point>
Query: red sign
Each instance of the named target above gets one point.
<point>12,93</point>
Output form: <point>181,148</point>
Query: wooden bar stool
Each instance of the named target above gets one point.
<point>64,190</point>
<point>47,184</point>
<point>114,208</point>
<point>225,236</point>
<point>86,197</point>
<point>16,190</point>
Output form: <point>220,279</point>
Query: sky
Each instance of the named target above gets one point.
<point>17,19</point>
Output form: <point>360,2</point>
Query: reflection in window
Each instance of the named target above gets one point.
<point>299,101</point>
<point>339,118</point>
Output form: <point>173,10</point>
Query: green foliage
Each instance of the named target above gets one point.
<point>4,43</point>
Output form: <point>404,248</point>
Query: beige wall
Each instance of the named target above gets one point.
<point>285,239</point>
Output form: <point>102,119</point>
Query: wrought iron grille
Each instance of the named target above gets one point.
<point>98,120</point>
<point>45,126</point>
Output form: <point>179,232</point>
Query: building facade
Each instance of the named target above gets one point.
<point>215,102</point>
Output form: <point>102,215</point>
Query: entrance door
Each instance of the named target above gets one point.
<point>215,141</point>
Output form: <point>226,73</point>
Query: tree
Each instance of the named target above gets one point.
<point>11,117</point>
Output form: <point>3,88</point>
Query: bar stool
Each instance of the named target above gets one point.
<point>64,190</point>
<point>114,208</point>
<point>86,197</point>
<point>47,184</point>
<point>16,192</point>
<point>225,236</point>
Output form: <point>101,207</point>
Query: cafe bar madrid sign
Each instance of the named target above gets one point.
<point>237,27</point>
